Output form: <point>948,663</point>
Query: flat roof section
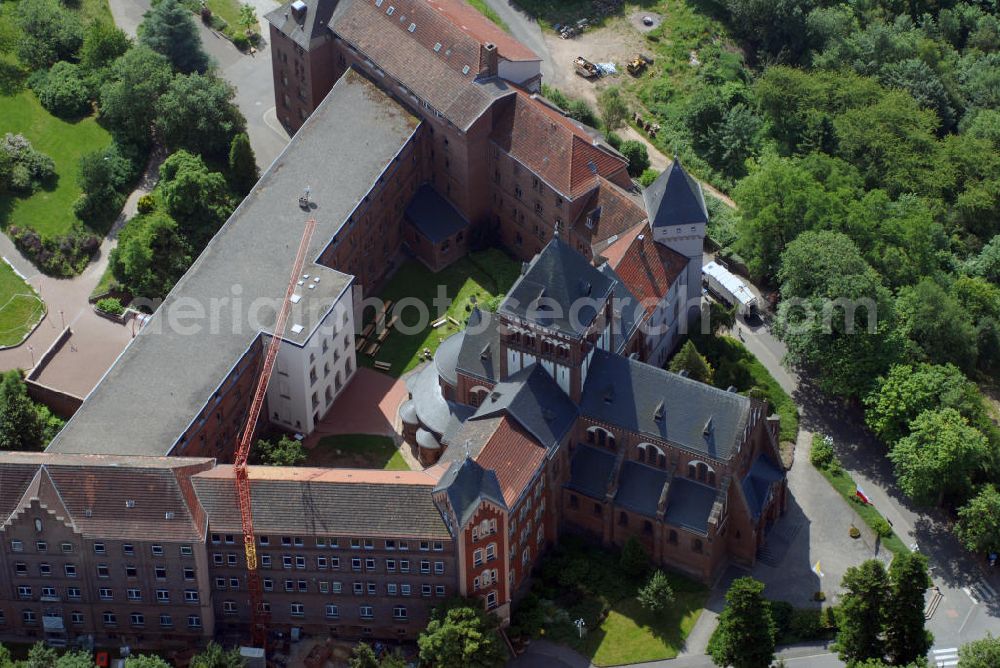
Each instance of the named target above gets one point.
<point>433,215</point>
<point>164,378</point>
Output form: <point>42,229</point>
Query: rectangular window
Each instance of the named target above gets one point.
<point>367,612</point>
<point>156,550</point>
<point>73,592</point>
<point>188,573</point>
<point>186,551</point>
<point>332,612</point>
<point>44,570</point>
<point>369,564</point>
<point>425,590</point>
<point>404,589</point>
<point>391,589</point>
<point>337,586</point>
<point>66,547</point>
<point>425,566</point>
<point>404,565</point>
<point>128,549</point>
<point>399,612</point>
<point>356,563</point>
<point>160,572</point>
<point>264,541</point>
<point>321,563</point>
<point>105,594</point>
<point>166,621</point>
<point>194,622</point>
<point>268,584</point>
<point>24,591</point>
<point>439,591</point>
<point>18,546</point>
<point>234,583</point>
<point>163,596</point>
<point>359,588</point>
<point>300,562</point>
<point>297,609</point>
<point>191,596</point>
<point>438,568</point>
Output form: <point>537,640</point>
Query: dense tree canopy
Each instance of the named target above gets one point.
<point>196,113</point>
<point>978,524</point>
<point>982,653</point>
<point>128,98</point>
<point>51,32</point>
<point>151,255</point>
<point>906,639</point>
<point>196,197</point>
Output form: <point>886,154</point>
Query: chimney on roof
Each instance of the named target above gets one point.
<point>641,238</point>
<point>488,66</point>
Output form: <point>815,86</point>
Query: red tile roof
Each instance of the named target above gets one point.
<point>557,148</point>
<point>620,212</point>
<point>91,491</point>
<point>514,456</point>
<point>477,26</point>
<point>646,267</point>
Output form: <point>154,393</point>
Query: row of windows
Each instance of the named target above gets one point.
<point>111,619</point>
<point>105,594</point>
<point>332,543</point>
<point>299,562</point>
<point>128,549</point>
<point>330,611</point>
<point>337,587</point>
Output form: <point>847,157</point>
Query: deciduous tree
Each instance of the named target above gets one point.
<point>51,32</point>
<point>128,99</point>
<point>196,113</point>
<point>939,456</point>
<point>978,524</point>
<point>982,653</point>
<point>637,156</point>
<point>242,164</point>
<point>613,108</point>
<point>906,639</point>
<point>462,635</point>
<point>20,427</point>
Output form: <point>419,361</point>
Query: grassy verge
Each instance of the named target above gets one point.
<point>20,306</point>
<point>842,481</point>
<point>481,275</point>
<point>578,581</point>
<point>550,12</point>
<point>105,285</point>
<point>487,11</point>
<point>48,211</point>
<point>737,366</point>
<point>362,451</point>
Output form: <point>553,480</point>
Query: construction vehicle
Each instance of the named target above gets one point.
<point>728,287</point>
<point>637,64</point>
<point>259,617</point>
<point>585,68</point>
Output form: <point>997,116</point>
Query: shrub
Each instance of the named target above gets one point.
<point>647,177</point>
<point>854,532</point>
<point>822,451</point>
<point>614,141</point>
<point>111,305</point>
<point>22,168</point>
<point>637,156</point>
<point>580,111</point>
<point>56,256</point>
<point>62,90</point>
<point>241,41</point>
<point>881,527</point>
<point>146,204</point>
<point>806,625</point>
<point>819,596</point>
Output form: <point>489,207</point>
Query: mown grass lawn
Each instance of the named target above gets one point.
<point>20,306</point>
<point>481,275</point>
<point>49,210</point>
<point>581,580</point>
<point>363,451</point>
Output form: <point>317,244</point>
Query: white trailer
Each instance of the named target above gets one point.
<point>729,287</point>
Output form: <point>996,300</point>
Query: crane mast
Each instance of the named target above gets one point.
<point>259,618</point>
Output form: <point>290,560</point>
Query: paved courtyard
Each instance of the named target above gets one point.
<point>368,405</point>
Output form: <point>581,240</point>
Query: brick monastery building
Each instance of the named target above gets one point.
<point>418,130</point>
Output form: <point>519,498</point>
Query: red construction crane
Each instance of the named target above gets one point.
<point>259,618</point>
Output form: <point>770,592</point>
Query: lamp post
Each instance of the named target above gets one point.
<point>581,626</point>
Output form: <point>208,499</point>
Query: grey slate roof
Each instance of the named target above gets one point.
<point>165,377</point>
<point>313,25</point>
<point>322,507</point>
<point>591,470</point>
<point>479,353</point>
<point>535,401</point>
<point>675,198</point>
<point>689,504</point>
<point>757,483</point>
<point>629,393</point>
<point>553,282</point>
<point>640,487</point>
<point>467,483</point>
<point>441,416</point>
<point>446,357</point>
<point>433,215</point>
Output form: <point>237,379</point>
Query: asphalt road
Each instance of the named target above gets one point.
<point>971,606</point>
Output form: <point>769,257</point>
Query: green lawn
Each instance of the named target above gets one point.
<point>488,12</point>
<point>578,580</point>
<point>49,211</point>
<point>229,10</point>
<point>20,307</point>
<point>842,481</point>
<point>481,275</point>
<point>735,365</point>
<point>361,451</point>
